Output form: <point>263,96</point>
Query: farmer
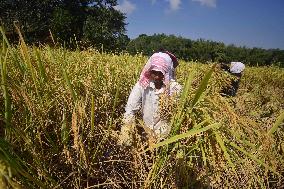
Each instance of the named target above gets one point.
<point>236,69</point>
<point>157,78</point>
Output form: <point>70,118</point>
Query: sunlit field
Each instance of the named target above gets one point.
<point>61,110</point>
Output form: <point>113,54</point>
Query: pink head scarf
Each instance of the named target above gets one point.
<point>160,62</point>
<point>174,58</point>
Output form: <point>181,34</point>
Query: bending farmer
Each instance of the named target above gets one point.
<point>236,69</point>
<point>157,78</point>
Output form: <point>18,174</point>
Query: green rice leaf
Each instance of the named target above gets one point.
<point>190,133</point>
<point>202,86</point>
<point>277,124</point>
<point>224,149</point>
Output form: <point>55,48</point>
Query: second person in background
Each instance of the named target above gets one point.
<point>236,69</point>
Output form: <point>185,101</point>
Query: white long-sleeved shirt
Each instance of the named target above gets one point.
<point>148,100</point>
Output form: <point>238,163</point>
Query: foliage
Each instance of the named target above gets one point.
<point>205,50</point>
<point>88,22</point>
<point>104,26</point>
<point>149,44</point>
<point>32,15</point>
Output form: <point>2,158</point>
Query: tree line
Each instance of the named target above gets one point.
<point>96,23</point>
<point>205,50</point>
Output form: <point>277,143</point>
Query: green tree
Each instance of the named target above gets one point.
<point>94,21</point>
<point>33,17</point>
<point>104,26</point>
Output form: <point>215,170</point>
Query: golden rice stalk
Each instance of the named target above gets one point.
<point>75,130</point>
<point>77,115</point>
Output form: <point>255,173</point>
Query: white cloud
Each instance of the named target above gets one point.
<point>153,2</point>
<point>126,7</point>
<point>209,3</point>
<point>174,4</point>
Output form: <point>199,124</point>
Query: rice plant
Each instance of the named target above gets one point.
<point>61,111</point>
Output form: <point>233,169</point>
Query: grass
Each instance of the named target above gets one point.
<point>61,111</point>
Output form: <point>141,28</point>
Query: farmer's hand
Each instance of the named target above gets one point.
<point>125,137</point>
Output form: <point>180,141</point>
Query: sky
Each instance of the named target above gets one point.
<point>249,23</point>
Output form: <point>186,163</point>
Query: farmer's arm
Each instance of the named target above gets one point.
<point>225,67</point>
<point>134,103</point>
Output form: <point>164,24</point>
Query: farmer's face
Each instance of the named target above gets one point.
<point>156,76</point>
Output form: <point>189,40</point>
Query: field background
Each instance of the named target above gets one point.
<point>61,111</point>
